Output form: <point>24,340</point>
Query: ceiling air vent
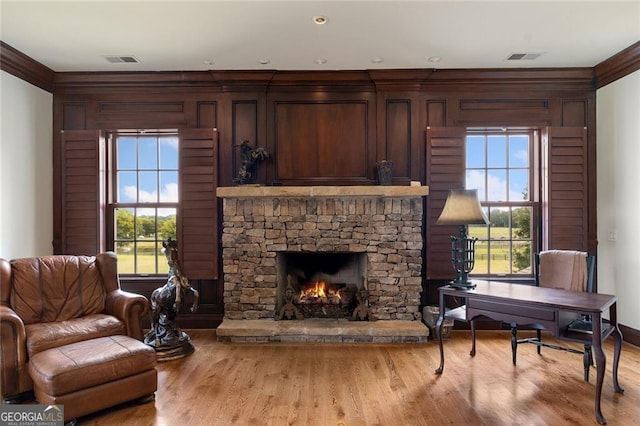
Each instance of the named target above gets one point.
<point>122,59</point>
<point>523,56</point>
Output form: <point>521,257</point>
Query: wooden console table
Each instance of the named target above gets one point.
<point>549,307</point>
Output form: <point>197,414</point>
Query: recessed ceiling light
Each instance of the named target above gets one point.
<point>264,61</point>
<point>434,59</point>
<point>320,61</point>
<point>377,60</point>
<point>320,20</point>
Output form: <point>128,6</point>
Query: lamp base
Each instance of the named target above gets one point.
<point>462,285</point>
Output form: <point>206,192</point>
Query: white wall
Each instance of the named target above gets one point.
<point>26,169</point>
<point>618,122</point>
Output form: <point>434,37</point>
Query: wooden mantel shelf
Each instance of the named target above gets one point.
<point>321,191</point>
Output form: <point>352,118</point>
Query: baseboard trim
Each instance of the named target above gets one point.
<point>630,335</point>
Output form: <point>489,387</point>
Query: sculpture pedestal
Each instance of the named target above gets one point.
<point>180,351</point>
<point>170,343</point>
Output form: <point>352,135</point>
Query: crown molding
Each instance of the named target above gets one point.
<point>615,67</point>
<point>619,65</point>
<point>22,66</point>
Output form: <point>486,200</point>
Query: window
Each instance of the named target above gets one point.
<point>145,199</point>
<point>498,165</point>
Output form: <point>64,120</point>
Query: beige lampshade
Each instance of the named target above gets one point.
<point>462,208</point>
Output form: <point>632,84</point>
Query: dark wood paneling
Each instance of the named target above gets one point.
<point>140,107</point>
<point>150,114</point>
<point>81,190</point>
<point>139,110</point>
<point>520,80</point>
<point>320,81</point>
<point>128,82</point>
<point>206,101</point>
<point>501,111</point>
<point>321,140</point>
<point>398,138</point>
<point>328,128</point>
<point>74,116</point>
<point>244,128</point>
<point>502,104</point>
<point>436,113</point>
<point>445,170</point>
<point>574,112</point>
<point>207,113</point>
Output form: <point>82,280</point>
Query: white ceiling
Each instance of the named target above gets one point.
<point>234,35</point>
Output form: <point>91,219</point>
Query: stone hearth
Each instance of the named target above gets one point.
<point>383,222</point>
<point>322,330</point>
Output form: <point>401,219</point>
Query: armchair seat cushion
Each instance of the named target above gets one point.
<point>87,364</point>
<point>47,335</point>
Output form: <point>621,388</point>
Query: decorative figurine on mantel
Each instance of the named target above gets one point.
<point>385,174</point>
<point>165,336</point>
<point>250,158</point>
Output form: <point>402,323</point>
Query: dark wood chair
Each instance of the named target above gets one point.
<point>581,323</point>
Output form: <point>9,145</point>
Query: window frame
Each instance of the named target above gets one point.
<point>534,178</point>
<point>113,204</point>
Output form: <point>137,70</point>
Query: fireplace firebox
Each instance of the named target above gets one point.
<point>321,285</point>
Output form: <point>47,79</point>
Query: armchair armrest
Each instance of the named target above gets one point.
<point>14,376</point>
<point>129,308</point>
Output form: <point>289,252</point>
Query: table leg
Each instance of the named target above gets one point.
<point>514,343</point>
<point>617,347</point>
<point>473,338</point>
<point>439,327</point>
<point>601,363</point>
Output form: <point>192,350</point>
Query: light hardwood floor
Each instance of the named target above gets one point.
<point>375,384</point>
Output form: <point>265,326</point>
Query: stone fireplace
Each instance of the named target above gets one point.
<point>350,237</point>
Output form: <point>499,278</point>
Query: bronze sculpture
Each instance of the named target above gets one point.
<point>250,157</point>
<point>165,336</point>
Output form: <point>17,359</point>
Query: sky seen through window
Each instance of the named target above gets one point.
<point>148,171</point>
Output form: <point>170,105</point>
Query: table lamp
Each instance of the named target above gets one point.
<point>462,208</point>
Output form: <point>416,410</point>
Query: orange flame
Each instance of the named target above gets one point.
<point>320,292</point>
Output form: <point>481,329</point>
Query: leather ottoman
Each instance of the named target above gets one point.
<point>94,374</point>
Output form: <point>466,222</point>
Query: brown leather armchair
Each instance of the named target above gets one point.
<point>50,301</point>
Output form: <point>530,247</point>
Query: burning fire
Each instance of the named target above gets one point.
<point>320,292</point>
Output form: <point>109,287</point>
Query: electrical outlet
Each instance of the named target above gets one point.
<point>612,235</point>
